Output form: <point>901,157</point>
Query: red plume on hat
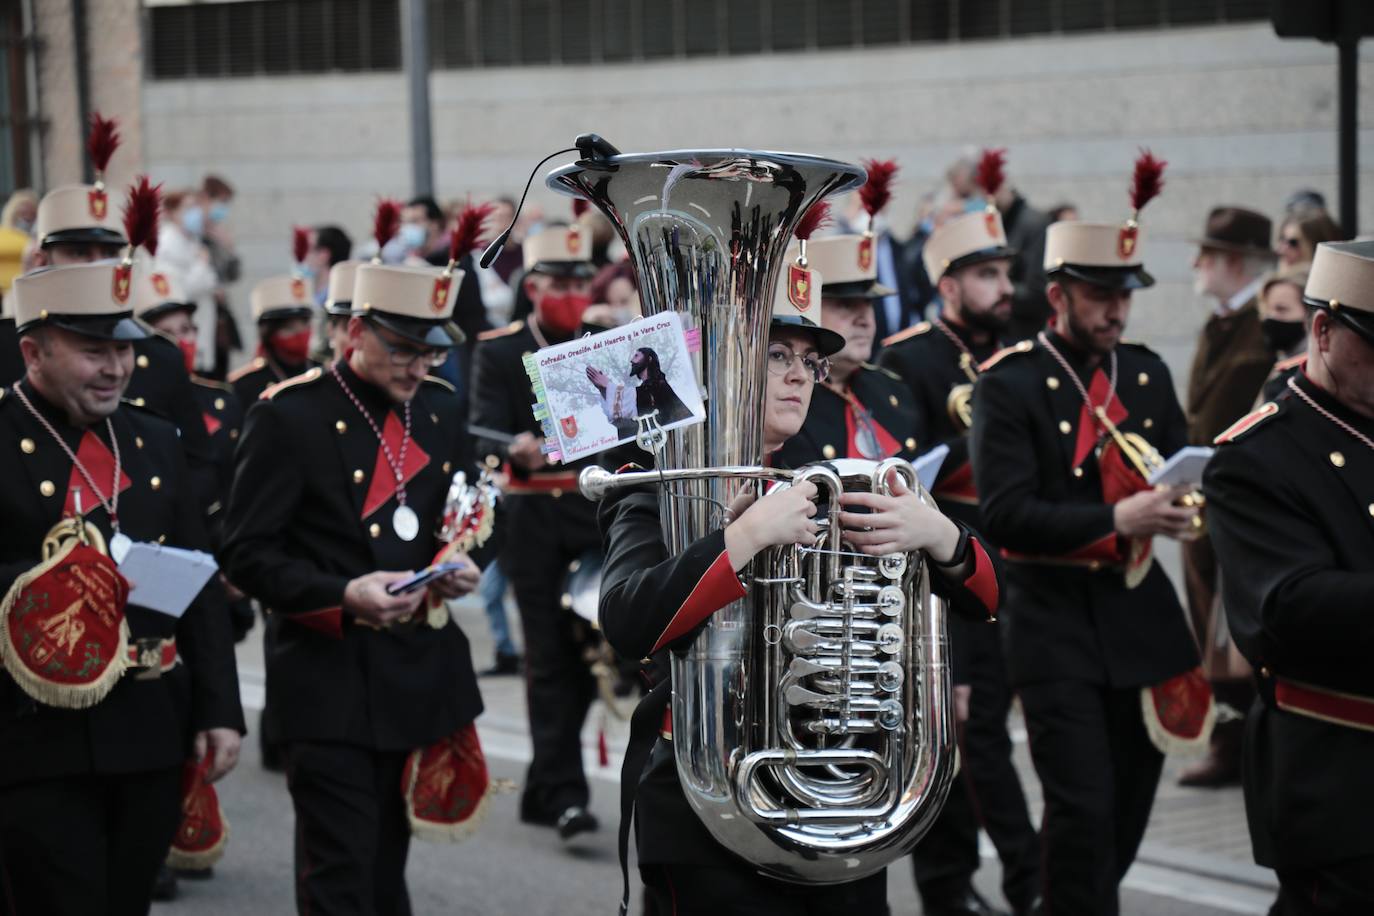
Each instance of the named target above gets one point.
<point>300,244</point>
<point>385,224</point>
<point>991,173</point>
<point>466,236</point>
<point>877,191</point>
<point>816,216</point>
<point>580,205</point>
<point>101,144</point>
<point>141,217</point>
<point>1147,182</point>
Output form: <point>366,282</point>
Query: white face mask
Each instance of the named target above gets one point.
<point>413,235</point>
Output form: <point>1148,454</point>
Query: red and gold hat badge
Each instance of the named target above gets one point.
<point>463,239</point>
<point>160,284</point>
<point>798,274</point>
<point>874,195</point>
<point>991,175</point>
<point>140,227</point>
<point>1146,184</point>
<point>101,144</point>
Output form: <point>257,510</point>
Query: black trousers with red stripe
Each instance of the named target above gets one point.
<point>86,844</point>
<point>544,534</point>
<point>1099,771</point>
<point>352,836</point>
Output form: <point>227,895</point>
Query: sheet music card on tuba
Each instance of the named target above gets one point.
<point>593,391</point>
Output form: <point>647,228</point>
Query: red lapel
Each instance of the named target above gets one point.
<point>1088,431</point>
<point>212,423</point>
<point>383,485</point>
<point>99,463</point>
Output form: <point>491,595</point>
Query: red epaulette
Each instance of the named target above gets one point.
<point>310,375</point>
<point>501,332</point>
<point>1024,346</point>
<point>1247,422</point>
<point>247,369</point>
<point>912,331</point>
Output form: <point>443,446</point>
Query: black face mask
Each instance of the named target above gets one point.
<point>1282,336</point>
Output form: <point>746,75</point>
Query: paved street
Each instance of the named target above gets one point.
<point>1196,859</point>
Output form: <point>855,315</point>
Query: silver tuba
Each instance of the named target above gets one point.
<point>812,720</point>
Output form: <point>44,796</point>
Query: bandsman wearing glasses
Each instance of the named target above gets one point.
<point>341,477</point>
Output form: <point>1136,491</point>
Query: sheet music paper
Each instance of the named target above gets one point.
<point>928,465</point>
<point>166,579</point>
<point>1184,467</point>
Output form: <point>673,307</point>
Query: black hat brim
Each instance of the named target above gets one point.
<point>86,235</point>
<point>1123,278</point>
<point>120,326</point>
<point>1358,320</point>
<point>440,334</point>
<point>166,308</point>
<point>859,289</point>
<point>285,313</point>
<point>582,270</point>
<point>828,342</point>
<point>998,253</point>
<point>340,309</point>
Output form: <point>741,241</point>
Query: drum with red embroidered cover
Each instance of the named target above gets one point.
<point>1180,712</point>
<point>446,787</point>
<point>203,833</point>
<point>63,636</point>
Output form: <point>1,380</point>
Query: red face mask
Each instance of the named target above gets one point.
<point>562,314</point>
<point>188,354</point>
<point>292,348</point>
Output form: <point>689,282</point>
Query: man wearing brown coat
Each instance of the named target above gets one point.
<point>1229,369</point>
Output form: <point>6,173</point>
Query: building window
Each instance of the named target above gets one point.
<point>276,37</point>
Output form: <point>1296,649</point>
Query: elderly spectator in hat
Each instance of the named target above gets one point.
<point>1229,368</point>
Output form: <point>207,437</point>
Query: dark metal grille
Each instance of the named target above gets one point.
<point>200,39</point>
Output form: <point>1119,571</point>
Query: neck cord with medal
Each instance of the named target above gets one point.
<point>404,521</point>
<point>119,541</point>
<point>1098,413</point>
<point>533,325</point>
<point>866,438</point>
<point>1323,412</point>
<point>966,360</point>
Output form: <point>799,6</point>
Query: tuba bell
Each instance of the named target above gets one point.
<point>812,720</point>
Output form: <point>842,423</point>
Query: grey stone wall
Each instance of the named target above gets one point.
<point>1241,116</point>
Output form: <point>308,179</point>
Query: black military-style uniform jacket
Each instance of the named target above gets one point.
<point>161,384</point>
<point>311,509</point>
<point>1290,504</point>
<point>503,400</point>
<point>929,363</point>
<point>221,414</point>
<point>653,603</point>
<point>262,372</point>
<point>1277,382</point>
<point>825,435</point>
<point>11,361</point>
<point>1073,618</point>
<point>143,724</point>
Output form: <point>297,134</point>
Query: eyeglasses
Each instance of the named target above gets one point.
<point>1290,242</point>
<point>781,358</point>
<point>403,356</point>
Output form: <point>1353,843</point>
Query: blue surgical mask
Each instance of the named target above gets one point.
<point>219,212</point>
<point>193,220</point>
<point>413,235</point>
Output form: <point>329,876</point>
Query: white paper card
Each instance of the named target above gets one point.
<point>1184,467</point>
<point>166,579</point>
<point>928,465</point>
<point>591,389</point>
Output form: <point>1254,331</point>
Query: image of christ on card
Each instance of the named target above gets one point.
<point>598,388</point>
